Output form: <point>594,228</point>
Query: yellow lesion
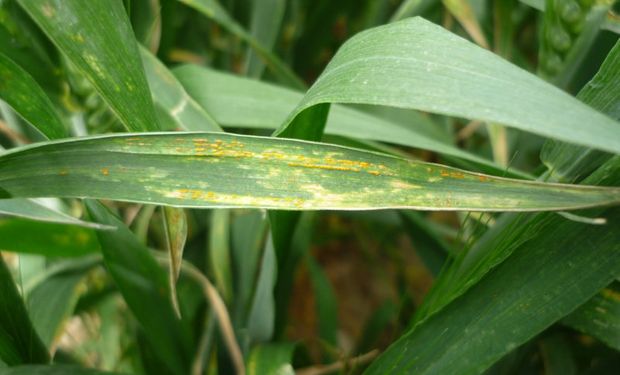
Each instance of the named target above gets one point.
<point>219,148</point>
<point>323,166</point>
<point>105,171</point>
<point>334,164</point>
<point>399,184</point>
<point>48,10</point>
<point>234,199</point>
<point>77,38</point>
<point>93,62</point>
<point>452,174</point>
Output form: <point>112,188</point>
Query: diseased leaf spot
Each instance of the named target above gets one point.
<point>48,10</point>
<point>453,174</point>
<point>105,171</point>
<point>323,166</point>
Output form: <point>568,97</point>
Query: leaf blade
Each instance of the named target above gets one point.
<point>105,51</point>
<point>19,343</point>
<point>27,98</point>
<point>406,65</point>
<point>144,287</point>
<point>153,168</point>
<point>240,102</point>
<point>516,313</point>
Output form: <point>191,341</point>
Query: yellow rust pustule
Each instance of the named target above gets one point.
<point>235,199</point>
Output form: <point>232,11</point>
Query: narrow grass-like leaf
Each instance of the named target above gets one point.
<point>261,318</point>
<point>545,278</point>
<point>213,10</point>
<point>33,210</point>
<point>601,93</point>
<point>544,240</point>
<point>409,8</point>
<point>266,20</point>
<point>175,227</point>
<point>462,10</point>
<point>240,102</point>
<point>418,65</point>
<point>19,343</point>
<point>144,287</point>
<point>27,98</point>
<point>52,301</point>
<point>51,239</point>
<point>557,356</point>
<point>223,170</point>
<point>248,231</point>
<point>568,162</point>
<point>600,316</point>
<point>169,95</point>
<point>326,303</point>
<point>97,38</point>
<point>219,252</point>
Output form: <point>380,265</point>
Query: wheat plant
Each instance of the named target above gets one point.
<point>309,187</point>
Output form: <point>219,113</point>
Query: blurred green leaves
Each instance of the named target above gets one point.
<point>96,37</point>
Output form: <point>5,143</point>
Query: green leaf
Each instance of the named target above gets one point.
<point>266,20</point>
<point>463,11</point>
<point>261,318</point>
<point>52,240</point>
<point>19,343</point>
<point>169,94</point>
<point>219,253</point>
<point>248,231</point>
<point>213,10</point>
<point>418,65</point>
<point>568,162</point>
<point>271,359</point>
<point>53,370</point>
<point>175,228</point>
<point>33,210</point>
<point>519,234</point>
<point>27,98</point>
<point>240,102</point>
<point>557,356</point>
<point>52,301</point>
<point>105,51</point>
<point>326,303</point>
<point>600,316</point>
<point>544,279</point>
<point>144,287</point>
<point>186,169</point>
<point>409,8</point>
